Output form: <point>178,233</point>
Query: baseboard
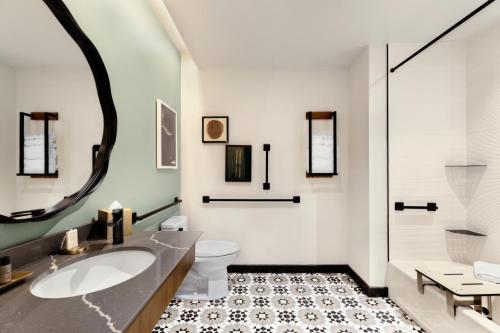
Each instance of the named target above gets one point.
<point>370,291</point>
<point>288,269</point>
<point>346,269</point>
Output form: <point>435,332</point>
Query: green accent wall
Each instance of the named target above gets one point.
<point>143,65</point>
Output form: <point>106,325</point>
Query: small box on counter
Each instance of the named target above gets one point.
<point>105,220</point>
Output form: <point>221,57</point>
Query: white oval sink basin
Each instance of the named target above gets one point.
<point>93,274</point>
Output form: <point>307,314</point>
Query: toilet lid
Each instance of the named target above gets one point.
<point>215,248</point>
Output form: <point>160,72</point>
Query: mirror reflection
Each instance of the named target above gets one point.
<point>51,119</point>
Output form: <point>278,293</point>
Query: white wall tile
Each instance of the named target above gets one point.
<point>427,132</point>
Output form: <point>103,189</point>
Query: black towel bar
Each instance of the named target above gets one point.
<point>295,199</point>
<point>431,206</point>
<point>136,217</point>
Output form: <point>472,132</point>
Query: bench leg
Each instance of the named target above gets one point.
<point>452,304</point>
<point>421,284</point>
<point>490,308</point>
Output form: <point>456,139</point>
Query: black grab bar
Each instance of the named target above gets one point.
<point>136,217</point>
<point>295,199</point>
<point>431,206</point>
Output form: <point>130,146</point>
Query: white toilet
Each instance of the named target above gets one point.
<point>207,279</point>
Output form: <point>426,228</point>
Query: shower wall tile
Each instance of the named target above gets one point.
<point>483,146</point>
<point>427,131</point>
<point>483,142</point>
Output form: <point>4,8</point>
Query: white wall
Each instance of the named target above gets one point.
<point>368,166</point>
<point>266,106</point>
<point>359,205</point>
<point>427,132</point>
<point>483,144</point>
<point>8,138</point>
<point>72,93</point>
<point>378,164</point>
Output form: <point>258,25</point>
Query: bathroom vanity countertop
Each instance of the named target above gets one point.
<point>108,310</point>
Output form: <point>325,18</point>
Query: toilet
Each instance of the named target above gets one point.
<point>207,278</point>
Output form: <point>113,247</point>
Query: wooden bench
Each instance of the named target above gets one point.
<point>459,282</point>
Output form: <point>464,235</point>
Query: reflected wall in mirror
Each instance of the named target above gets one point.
<point>48,165</point>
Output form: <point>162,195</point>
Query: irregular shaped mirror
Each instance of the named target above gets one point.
<point>58,122</point>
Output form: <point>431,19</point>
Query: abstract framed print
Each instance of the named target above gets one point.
<point>166,136</point>
<point>215,129</point>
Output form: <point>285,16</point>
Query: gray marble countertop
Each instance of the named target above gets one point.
<point>108,310</point>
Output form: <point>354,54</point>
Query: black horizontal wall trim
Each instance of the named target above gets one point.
<point>346,269</point>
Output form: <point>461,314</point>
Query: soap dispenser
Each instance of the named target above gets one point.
<point>117,226</point>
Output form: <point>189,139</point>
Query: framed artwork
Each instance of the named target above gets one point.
<point>166,136</point>
<point>215,129</point>
<point>238,163</point>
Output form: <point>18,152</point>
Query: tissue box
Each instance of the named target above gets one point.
<point>105,216</point>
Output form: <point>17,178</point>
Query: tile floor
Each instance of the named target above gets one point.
<point>288,303</point>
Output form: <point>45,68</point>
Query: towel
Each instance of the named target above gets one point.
<point>487,272</point>
<point>320,165</point>
<point>52,137</point>
<point>322,147</point>
<point>38,140</point>
<point>322,140</point>
<point>38,166</point>
<point>322,152</point>
<point>38,153</point>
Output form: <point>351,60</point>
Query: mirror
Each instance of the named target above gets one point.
<point>58,121</point>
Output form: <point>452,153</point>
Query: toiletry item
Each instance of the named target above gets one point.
<point>127,221</point>
<point>5,270</point>
<point>487,271</point>
<point>71,239</point>
<point>17,277</point>
<point>117,226</point>
<point>76,250</point>
<point>105,219</point>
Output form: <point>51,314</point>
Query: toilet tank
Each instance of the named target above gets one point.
<point>175,223</point>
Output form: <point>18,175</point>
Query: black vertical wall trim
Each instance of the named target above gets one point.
<point>310,143</point>
<point>387,143</point>
<point>267,185</point>
<point>46,142</point>
<point>334,116</point>
<point>21,142</point>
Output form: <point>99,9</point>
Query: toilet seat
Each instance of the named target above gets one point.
<point>215,248</point>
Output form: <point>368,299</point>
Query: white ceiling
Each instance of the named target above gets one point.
<point>290,33</point>
<point>31,36</point>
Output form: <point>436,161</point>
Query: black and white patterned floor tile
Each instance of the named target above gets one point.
<point>288,303</point>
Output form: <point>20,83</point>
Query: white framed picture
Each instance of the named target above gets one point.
<point>166,136</point>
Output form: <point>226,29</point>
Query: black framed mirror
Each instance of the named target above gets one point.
<point>63,131</point>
